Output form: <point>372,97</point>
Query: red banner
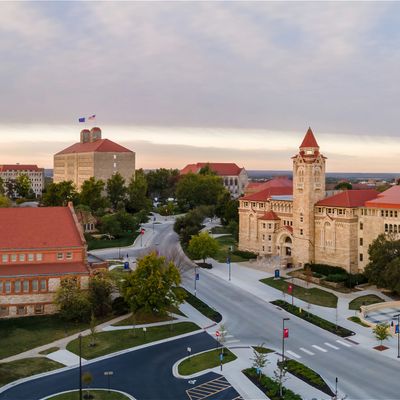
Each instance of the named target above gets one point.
<point>286,333</point>
<point>290,289</point>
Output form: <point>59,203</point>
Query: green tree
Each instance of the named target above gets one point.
<point>100,288</point>
<point>137,193</point>
<point>149,286</point>
<point>87,379</point>
<point>202,246</point>
<point>72,302</point>
<point>381,332</point>
<point>5,202</point>
<point>2,188</point>
<point>206,170</point>
<point>383,268</point>
<point>344,186</point>
<point>92,194</point>
<point>116,190</point>
<point>259,358</point>
<point>110,224</point>
<point>59,194</point>
<point>23,185</point>
<point>162,183</point>
<point>10,188</point>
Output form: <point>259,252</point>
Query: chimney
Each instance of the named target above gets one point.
<point>85,136</point>
<point>95,134</point>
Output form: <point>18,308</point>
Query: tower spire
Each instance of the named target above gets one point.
<point>309,140</point>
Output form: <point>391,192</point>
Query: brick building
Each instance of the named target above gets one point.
<point>93,156</point>
<point>38,248</point>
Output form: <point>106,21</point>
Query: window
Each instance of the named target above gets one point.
<point>269,226</point>
<point>13,257</point>
<point>386,228</point>
<point>115,165</point>
<point>25,286</point>
<point>60,256</point>
<point>22,257</point>
<point>3,311</point>
<point>43,285</point>
<point>361,256</point>
<point>17,286</point>
<point>264,226</point>
<point>301,218</point>
<point>39,308</point>
<point>39,257</point>
<point>361,226</point>
<point>382,213</point>
<point>269,249</point>
<point>269,237</point>
<point>4,258</point>
<point>386,213</point>
<point>69,256</point>
<point>35,285</point>
<point>391,214</point>
<point>246,204</point>
<point>301,231</point>
<point>361,241</point>
<point>263,237</point>
<point>8,286</point>
<point>21,310</point>
<point>115,156</point>
<point>30,257</point>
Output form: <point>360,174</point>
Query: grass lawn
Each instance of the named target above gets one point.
<point>142,317</point>
<point>49,350</point>
<point>200,362</point>
<point>358,321</point>
<point>97,395</point>
<point>110,342</point>
<point>127,240</point>
<point>313,319</point>
<point>20,334</point>
<point>201,306</point>
<point>263,350</point>
<point>11,371</point>
<point>315,296</point>
<point>220,230</point>
<point>364,300</point>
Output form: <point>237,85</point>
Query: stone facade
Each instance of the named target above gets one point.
<point>306,225</point>
<point>93,156</point>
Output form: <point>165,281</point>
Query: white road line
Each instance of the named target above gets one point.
<point>306,351</point>
<point>319,348</point>
<point>228,336</point>
<point>343,343</point>
<point>232,341</point>
<point>292,353</point>
<point>331,346</point>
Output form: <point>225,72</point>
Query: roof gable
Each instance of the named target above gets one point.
<point>390,198</point>
<point>101,145</point>
<point>349,198</point>
<point>221,169</point>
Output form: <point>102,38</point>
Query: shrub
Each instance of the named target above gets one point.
<point>336,278</point>
<point>325,269</point>
<point>244,254</point>
<point>120,306</point>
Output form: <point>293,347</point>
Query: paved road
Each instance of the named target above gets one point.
<point>146,374</point>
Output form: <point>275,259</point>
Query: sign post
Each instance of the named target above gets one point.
<point>108,374</point>
<point>290,290</point>
<point>217,334</point>
<point>141,236</point>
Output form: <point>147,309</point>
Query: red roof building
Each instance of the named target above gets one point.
<point>388,199</point>
<point>349,199</point>
<point>40,247</point>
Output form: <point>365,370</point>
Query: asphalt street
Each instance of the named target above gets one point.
<point>146,374</point>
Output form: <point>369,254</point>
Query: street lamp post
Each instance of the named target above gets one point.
<point>144,333</point>
<point>397,329</point>
<point>195,280</point>
<point>336,381</point>
<point>228,260</point>
<point>284,336</point>
<point>80,367</point>
<point>189,350</point>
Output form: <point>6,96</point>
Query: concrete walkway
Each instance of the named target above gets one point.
<point>65,357</point>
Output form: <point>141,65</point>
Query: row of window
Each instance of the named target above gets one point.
<point>23,286</point>
<point>21,310</point>
<point>270,226</point>
<point>5,258</point>
<point>269,237</point>
<point>389,228</point>
<point>288,223</point>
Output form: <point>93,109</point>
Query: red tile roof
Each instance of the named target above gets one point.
<point>101,145</point>
<point>20,167</point>
<point>349,198</point>
<point>266,194</point>
<point>221,169</point>
<point>8,270</point>
<point>309,140</point>
<point>38,228</point>
<point>270,216</point>
<point>388,199</point>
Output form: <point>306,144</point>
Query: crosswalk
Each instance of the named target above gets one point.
<point>323,348</point>
<point>224,337</point>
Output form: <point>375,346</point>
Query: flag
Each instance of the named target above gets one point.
<point>92,117</point>
<point>285,333</point>
<point>82,119</point>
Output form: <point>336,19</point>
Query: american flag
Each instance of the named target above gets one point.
<point>92,117</point>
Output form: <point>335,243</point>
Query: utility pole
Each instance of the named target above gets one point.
<point>285,334</point>
<point>80,367</point>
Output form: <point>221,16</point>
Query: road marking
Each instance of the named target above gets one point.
<point>307,351</point>
<point>343,343</point>
<point>208,389</point>
<point>292,353</point>
<point>228,336</point>
<point>331,346</point>
<point>232,341</point>
<point>319,348</point>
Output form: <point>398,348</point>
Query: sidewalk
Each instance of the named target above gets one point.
<point>248,279</point>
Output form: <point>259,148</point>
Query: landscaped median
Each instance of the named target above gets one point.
<point>203,361</point>
<point>13,370</point>
<point>366,300</point>
<point>96,395</point>
<point>313,319</point>
<point>113,341</point>
<point>315,296</point>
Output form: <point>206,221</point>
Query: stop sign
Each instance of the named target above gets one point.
<point>217,333</point>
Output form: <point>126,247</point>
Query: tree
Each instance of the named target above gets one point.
<point>137,193</point>
<point>10,188</point>
<point>149,286</point>
<point>206,170</point>
<point>202,246</point>
<point>5,202</point>
<point>116,190</point>
<point>100,288</point>
<point>91,194</point>
<point>72,302</point>
<point>381,332</point>
<point>344,186</point>
<point>119,224</point>
<point>162,183</point>
<point>87,379</point>
<point>308,274</point>
<point>2,188</point>
<point>23,185</point>
<point>259,358</point>
<point>59,194</point>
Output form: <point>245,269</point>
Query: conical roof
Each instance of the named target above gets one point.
<point>309,140</point>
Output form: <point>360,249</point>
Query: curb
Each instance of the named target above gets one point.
<point>71,391</point>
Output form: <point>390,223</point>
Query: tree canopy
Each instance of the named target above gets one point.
<point>116,190</point>
<point>59,194</point>
<point>149,286</point>
<point>92,194</point>
<point>137,193</point>
<point>162,183</point>
<point>202,246</point>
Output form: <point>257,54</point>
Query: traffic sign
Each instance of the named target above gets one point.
<point>126,265</point>
<point>197,277</point>
<point>286,333</point>
<point>277,273</point>
<point>221,356</point>
<point>228,260</point>
<point>397,329</point>
<point>142,231</point>
<point>290,288</point>
<point>217,333</point>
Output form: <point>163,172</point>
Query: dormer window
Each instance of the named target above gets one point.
<point>309,152</point>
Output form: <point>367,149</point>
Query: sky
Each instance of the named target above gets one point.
<point>184,82</point>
